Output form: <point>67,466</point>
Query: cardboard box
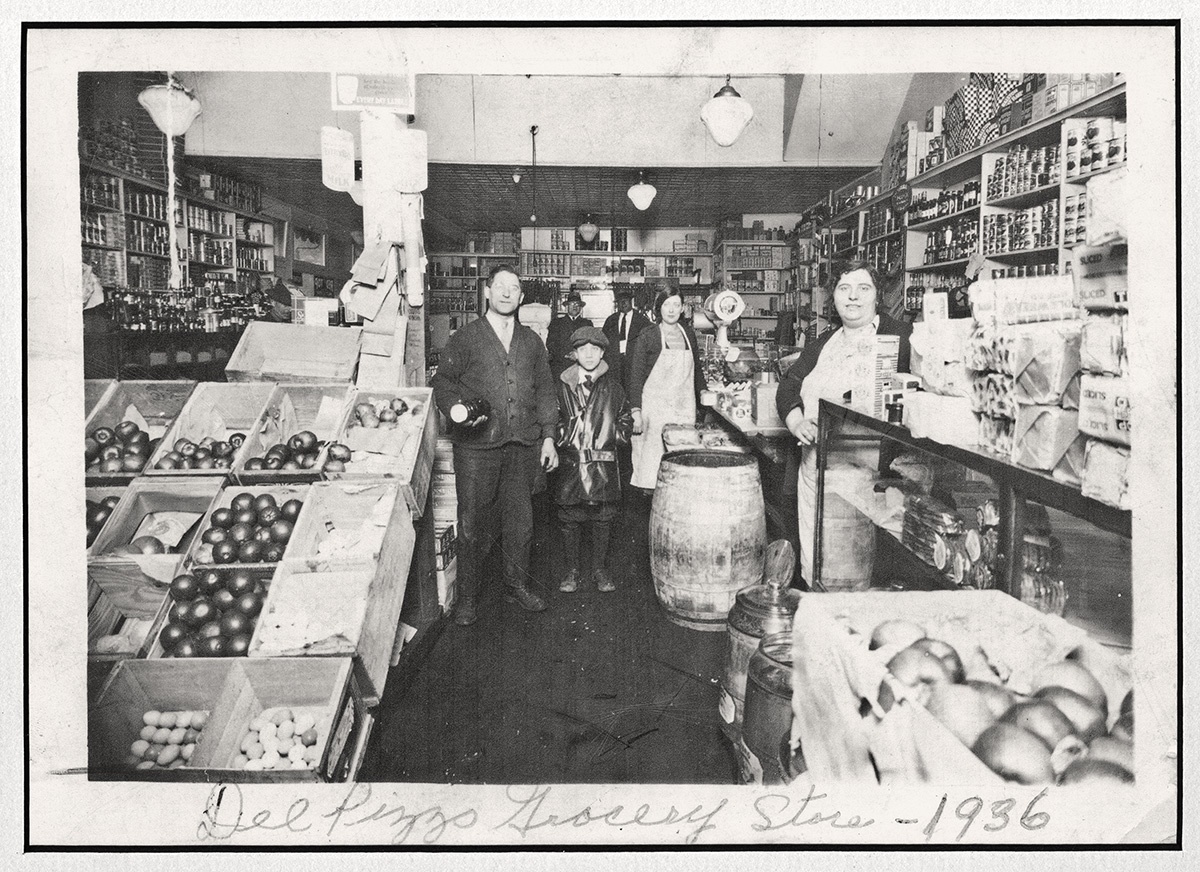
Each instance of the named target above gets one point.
<point>1042,435</point>
<point>316,311</point>
<point>1101,276</point>
<point>1105,409</point>
<point>1024,300</point>
<point>1106,473</point>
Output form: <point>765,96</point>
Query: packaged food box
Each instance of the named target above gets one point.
<point>1105,409</point>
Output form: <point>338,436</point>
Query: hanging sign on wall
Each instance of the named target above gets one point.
<point>337,158</point>
<point>357,91</point>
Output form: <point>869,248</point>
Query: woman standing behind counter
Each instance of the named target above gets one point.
<point>665,384</point>
<point>824,372</point>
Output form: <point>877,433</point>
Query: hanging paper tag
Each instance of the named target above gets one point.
<point>337,158</point>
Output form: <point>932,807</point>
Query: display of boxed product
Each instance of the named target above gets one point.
<point>1024,300</point>
<point>295,353</point>
<point>1105,409</point>
<point>316,311</point>
<point>872,378</point>
<point>1044,360</point>
<point>906,734</point>
<point>1042,436</point>
<point>1102,344</point>
<point>1106,473</point>
<point>1101,276</point>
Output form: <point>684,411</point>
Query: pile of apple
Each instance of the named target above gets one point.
<point>1057,733</point>
<point>373,415</point>
<point>253,529</point>
<point>97,515</point>
<point>212,614</point>
<point>298,452</point>
<point>208,453</point>
<point>279,739</point>
<point>124,448</point>
<point>167,740</point>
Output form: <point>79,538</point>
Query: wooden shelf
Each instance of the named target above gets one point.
<point>85,205</point>
<point>737,242</point>
<point>104,246</point>
<point>149,218</point>
<point>889,235</point>
<point>145,253</point>
<point>209,265</point>
<point>96,166</point>
<point>942,219</point>
<point>934,267</point>
<point>252,242</point>
<point>1025,198</point>
<point>1082,179</point>
<point>1021,252</point>
<point>488,254</point>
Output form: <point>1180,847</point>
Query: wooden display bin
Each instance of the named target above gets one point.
<point>348,603</point>
<point>318,408</point>
<point>158,402</point>
<point>215,409</point>
<point>95,390</point>
<point>223,500</point>
<point>262,573</point>
<point>96,494</point>
<point>141,498</point>
<point>233,692</point>
<point>123,606</point>
<point>295,353</point>
<point>833,672</point>
<point>413,466</point>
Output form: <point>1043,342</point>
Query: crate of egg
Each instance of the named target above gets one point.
<point>167,739</point>
<point>280,738</point>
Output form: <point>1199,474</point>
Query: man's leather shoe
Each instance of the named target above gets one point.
<point>570,582</point>
<point>525,598</point>
<point>604,582</point>
<point>464,611</point>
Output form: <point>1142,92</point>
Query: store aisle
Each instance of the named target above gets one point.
<point>599,688</point>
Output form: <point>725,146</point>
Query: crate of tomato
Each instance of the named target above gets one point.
<point>290,439</point>
<point>126,426</point>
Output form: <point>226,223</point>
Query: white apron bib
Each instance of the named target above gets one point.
<point>668,397</point>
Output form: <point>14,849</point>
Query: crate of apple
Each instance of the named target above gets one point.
<point>120,449</point>
<point>97,513</point>
<point>252,529</point>
<point>206,454</point>
<point>298,453</point>
<point>212,613</point>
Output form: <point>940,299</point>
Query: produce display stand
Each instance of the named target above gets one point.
<point>290,409</point>
<point>1015,486</point>
<point>158,402</point>
<point>233,692</point>
<point>215,410</point>
<point>295,353</point>
<point>833,672</point>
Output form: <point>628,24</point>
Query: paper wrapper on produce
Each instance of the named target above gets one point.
<point>280,422</point>
<point>1104,408</point>
<point>940,356</point>
<point>1102,348</point>
<point>1023,300</point>
<point>1045,363</point>
<point>201,416</point>
<point>995,434</point>
<point>1107,207</point>
<point>313,613</point>
<point>980,347</point>
<point>948,419</point>
<point>1106,473</point>
<point>133,415</point>
<point>368,440</point>
<point>1042,435</point>
<point>167,527</point>
<point>1101,276</point>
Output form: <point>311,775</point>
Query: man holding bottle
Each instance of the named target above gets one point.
<point>498,369</point>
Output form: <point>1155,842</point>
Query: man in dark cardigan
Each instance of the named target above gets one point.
<point>497,456</point>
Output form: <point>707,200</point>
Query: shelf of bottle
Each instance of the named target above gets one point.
<point>116,172</point>
<point>744,317</point>
<point>1025,198</point>
<point>103,245</point>
<point>208,264</point>
<point>842,252</point>
<point>942,219</point>
<point>739,242</point>
<point>140,217</point>
<point>88,204</point>
<point>1020,252</point>
<point>891,234</point>
<point>934,267</point>
<point>754,268</point>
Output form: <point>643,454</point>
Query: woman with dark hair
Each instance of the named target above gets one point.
<point>665,384</point>
<point>826,370</point>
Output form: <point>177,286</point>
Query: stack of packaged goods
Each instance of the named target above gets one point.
<point>445,517</point>
<point>1102,289</point>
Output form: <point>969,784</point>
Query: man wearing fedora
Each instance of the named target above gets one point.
<point>562,328</point>
<point>622,328</point>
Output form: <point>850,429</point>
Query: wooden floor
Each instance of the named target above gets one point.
<point>599,688</point>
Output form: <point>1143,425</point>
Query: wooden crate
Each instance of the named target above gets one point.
<point>143,496</point>
<point>215,409</point>
<point>366,591</point>
<point>234,692</point>
<point>261,573</point>
<point>158,402</point>
<point>319,408</point>
<point>414,466</point>
<point>96,494</point>
<point>137,686</point>
<point>223,500</point>
<point>122,604</point>
<point>295,353</point>
<point>833,672</point>
<point>95,390</point>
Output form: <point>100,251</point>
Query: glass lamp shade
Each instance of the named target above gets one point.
<point>588,231</point>
<point>642,195</point>
<point>726,116</point>
<point>172,107</point>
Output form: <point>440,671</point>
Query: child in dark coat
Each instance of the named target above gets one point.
<point>593,419</point>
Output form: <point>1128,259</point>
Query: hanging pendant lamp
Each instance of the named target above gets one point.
<point>642,194</point>
<point>588,230</point>
<point>726,115</point>
<point>533,131</point>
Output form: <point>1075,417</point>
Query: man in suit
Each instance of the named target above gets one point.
<point>558,337</point>
<point>622,328</point>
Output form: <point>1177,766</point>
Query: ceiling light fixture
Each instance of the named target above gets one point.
<point>533,131</point>
<point>588,230</point>
<point>516,176</point>
<point>642,194</point>
<point>726,115</point>
<point>173,108</point>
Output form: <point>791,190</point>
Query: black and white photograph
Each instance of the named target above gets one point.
<point>607,435</point>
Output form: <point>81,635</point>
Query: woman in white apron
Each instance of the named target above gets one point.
<point>830,367</point>
<point>663,386</point>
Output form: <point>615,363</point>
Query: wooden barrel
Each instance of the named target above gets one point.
<point>708,535</point>
<point>847,546</point>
